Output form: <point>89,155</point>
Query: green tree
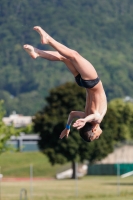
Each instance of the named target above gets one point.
<point>118,121</point>
<point>5,131</point>
<point>51,121</point>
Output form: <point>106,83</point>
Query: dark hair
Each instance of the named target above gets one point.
<point>84,132</point>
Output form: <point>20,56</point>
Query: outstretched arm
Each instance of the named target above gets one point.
<point>90,118</point>
<point>72,115</point>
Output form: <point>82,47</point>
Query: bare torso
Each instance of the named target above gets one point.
<point>96,102</point>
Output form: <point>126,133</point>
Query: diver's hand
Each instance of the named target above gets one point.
<point>79,123</point>
<point>64,133</point>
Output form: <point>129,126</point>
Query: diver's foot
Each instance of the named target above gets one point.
<point>44,36</point>
<point>32,51</point>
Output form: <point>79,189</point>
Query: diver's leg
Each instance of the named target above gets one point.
<point>50,55</point>
<point>83,66</point>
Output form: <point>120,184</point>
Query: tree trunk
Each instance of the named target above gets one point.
<point>74,168</point>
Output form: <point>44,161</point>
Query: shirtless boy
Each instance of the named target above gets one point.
<point>88,122</point>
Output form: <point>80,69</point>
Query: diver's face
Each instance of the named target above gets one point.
<point>95,133</point>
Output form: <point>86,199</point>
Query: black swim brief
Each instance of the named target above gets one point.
<point>86,83</point>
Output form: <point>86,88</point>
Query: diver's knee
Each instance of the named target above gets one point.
<point>74,55</point>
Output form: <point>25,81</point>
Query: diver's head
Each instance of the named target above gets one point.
<point>90,132</point>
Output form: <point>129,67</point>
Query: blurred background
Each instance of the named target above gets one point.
<point>36,97</point>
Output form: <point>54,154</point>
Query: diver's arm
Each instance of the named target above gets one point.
<point>72,115</point>
<point>79,123</point>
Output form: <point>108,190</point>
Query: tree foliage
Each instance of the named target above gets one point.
<point>118,120</point>
<point>5,131</point>
<point>99,30</point>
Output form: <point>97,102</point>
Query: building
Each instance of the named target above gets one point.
<point>24,142</point>
<point>120,159</point>
<point>17,120</point>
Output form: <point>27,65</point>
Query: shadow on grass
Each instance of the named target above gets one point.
<point>115,183</point>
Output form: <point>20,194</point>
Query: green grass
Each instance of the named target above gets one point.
<point>16,164</point>
<point>91,187</point>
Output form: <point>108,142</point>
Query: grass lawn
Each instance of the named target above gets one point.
<point>16,164</point>
<point>90,187</point>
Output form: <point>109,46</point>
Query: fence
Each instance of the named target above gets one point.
<point>109,169</point>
